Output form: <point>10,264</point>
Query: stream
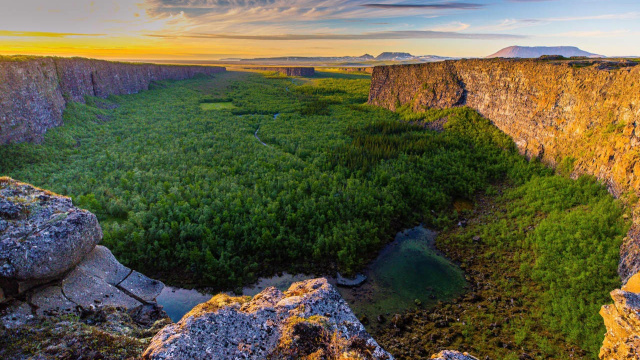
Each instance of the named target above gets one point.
<point>407,273</point>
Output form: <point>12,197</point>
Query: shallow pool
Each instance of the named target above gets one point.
<point>406,274</point>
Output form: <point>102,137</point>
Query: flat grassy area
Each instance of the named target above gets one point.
<point>217,106</point>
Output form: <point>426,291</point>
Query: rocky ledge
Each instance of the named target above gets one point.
<point>622,319</point>
<point>308,321</point>
<point>63,296</point>
<point>50,263</point>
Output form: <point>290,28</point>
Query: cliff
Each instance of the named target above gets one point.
<point>288,70</point>
<point>579,116</point>
<point>35,90</point>
<point>50,263</point>
<point>61,294</point>
<point>582,118</point>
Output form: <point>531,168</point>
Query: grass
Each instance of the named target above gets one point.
<point>217,106</point>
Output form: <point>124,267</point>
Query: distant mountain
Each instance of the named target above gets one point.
<point>394,56</point>
<point>363,60</point>
<point>537,51</point>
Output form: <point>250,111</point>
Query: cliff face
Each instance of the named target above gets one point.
<point>584,118</point>
<point>35,91</point>
<point>552,111</point>
<point>288,70</point>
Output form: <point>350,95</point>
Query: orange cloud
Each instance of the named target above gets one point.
<point>7,33</point>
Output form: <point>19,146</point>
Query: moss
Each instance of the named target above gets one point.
<point>216,303</point>
<point>69,337</point>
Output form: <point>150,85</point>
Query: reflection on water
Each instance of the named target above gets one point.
<point>177,302</point>
<point>406,274</point>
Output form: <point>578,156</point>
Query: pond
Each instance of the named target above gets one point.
<point>407,273</point>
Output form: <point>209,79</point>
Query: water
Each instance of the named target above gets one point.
<point>407,274</point>
<point>177,302</point>
<point>407,270</point>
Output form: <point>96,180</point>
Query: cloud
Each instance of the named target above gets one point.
<point>436,6</point>
<point>454,26</point>
<point>592,34</point>
<point>7,33</point>
<point>383,35</point>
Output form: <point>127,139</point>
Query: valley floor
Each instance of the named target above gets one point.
<point>185,191</point>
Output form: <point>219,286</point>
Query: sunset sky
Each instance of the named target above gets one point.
<point>215,29</point>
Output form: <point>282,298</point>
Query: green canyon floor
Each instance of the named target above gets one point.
<point>187,192</point>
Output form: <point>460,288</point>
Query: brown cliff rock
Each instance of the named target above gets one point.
<point>622,319</point>
<point>583,118</point>
<point>34,91</point>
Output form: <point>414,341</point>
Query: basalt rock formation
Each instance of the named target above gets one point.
<point>288,70</point>
<point>308,321</point>
<point>50,263</point>
<point>35,90</point>
<point>622,319</point>
<point>581,118</point>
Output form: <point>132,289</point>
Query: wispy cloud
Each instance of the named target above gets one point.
<point>436,6</point>
<point>511,24</point>
<point>7,33</point>
<point>591,34</point>
<point>383,35</point>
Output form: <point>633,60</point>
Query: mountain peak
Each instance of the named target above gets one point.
<point>537,51</point>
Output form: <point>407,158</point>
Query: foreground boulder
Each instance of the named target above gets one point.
<point>42,235</point>
<point>622,319</point>
<point>50,264</point>
<point>308,321</point>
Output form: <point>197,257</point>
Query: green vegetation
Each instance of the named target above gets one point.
<point>188,194</point>
<point>541,259</point>
<point>217,106</point>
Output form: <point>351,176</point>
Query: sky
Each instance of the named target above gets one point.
<point>219,29</point>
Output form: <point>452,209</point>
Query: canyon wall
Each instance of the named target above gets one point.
<point>288,70</point>
<point>581,117</point>
<point>35,90</point>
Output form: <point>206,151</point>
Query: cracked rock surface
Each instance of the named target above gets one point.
<point>50,264</point>
<point>43,234</point>
<point>308,321</point>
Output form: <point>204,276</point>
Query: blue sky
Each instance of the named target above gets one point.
<point>212,29</point>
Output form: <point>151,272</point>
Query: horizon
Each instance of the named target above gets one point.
<point>213,30</point>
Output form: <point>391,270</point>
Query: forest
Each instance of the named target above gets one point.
<point>184,189</point>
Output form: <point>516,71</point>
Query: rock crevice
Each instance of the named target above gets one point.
<point>50,261</point>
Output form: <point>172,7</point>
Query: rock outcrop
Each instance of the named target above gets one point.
<point>584,118</point>
<point>50,263</point>
<point>622,319</point>
<point>288,70</point>
<point>34,91</point>
<point>42,236</point>
<point>452,355</point>
<point>308,321</point>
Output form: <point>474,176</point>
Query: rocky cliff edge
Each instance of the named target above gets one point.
<point>50,263</point>
<point>34,91</point>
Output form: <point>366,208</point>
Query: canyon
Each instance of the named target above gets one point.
<point>286,70</point>
<point>580,117</point>
<point>34,91</point>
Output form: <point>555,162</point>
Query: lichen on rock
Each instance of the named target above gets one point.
<point>308,321</point>
<point>622,319</point>
<point>50,264</point>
